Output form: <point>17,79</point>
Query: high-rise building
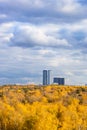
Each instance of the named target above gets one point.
<point>46,77</point>
<point>60,81</point>
<point>49,77</point>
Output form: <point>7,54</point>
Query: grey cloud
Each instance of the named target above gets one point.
<point>38,9</point>
<point>17,74</point>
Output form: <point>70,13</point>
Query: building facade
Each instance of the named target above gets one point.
<point>49,77</point>
<point>46,77</point>
<point>60,81</point>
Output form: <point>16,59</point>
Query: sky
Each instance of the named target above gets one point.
<point>43,34</point>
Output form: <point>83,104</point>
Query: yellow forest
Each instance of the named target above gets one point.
<point>33,107</point>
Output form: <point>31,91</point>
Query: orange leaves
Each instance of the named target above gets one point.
<point>43,108</point>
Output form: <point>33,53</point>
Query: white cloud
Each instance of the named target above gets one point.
<point>33,36</point>
<point>3,16</point>
<point>5,34</point>
<point>63,61</point>
<point>70,6</point>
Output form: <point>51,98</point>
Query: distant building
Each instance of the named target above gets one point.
<point>60,81</point>
<point>46,77</point>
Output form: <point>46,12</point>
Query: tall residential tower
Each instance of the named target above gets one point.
<point>46,77</point>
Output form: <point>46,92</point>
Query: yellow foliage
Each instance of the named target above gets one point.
<point>43,108</point>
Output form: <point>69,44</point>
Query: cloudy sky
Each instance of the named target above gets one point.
<point>43,34</point>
